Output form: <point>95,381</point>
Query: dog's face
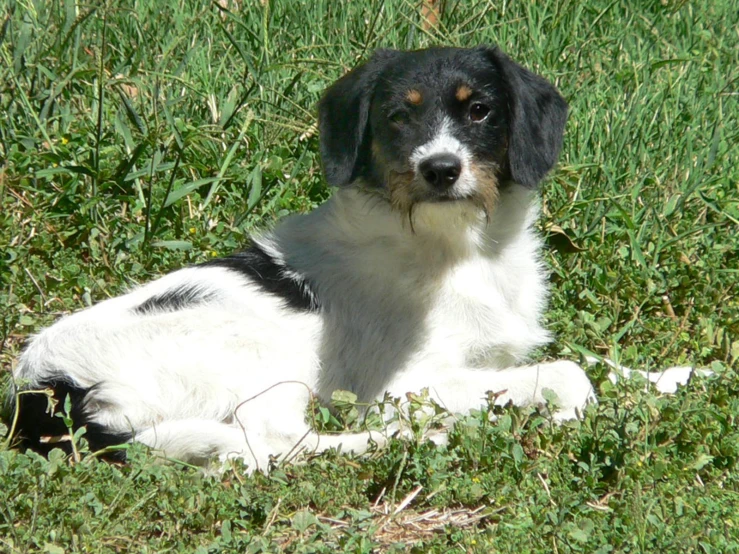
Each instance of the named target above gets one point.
<point>440,125</point>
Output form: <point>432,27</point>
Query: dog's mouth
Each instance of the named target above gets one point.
<point>444,197</point>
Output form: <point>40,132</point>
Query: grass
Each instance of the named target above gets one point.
<point>137,137</point>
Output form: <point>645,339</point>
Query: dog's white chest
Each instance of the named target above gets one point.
<point>488,312</point>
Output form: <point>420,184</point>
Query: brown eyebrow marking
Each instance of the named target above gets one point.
<point>463,93</point>
<point>414,97</point>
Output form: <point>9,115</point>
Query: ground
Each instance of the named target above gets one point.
<point>137,138</point>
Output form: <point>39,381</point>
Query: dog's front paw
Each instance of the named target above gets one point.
<point>571,388</point>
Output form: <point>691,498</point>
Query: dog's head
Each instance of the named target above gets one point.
<point>440,125</point>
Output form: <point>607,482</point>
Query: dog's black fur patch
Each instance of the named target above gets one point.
<point>271,276</point>
<point>173,300</point>
<point>35,422</point>
<point>538,119</point>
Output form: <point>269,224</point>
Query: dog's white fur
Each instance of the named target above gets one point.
<point>453,307</point>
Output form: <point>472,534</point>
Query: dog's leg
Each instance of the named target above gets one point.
<point>198,441</point>
<point>462,389</point>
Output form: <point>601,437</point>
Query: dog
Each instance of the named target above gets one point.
<point>421,272</point>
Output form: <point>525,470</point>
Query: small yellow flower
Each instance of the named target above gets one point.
<point>65,140</point>
<point>192,230</point>
<point>213,253</point>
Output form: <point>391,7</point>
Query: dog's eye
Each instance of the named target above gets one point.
<point>399,118</point>
<point>479,112</point>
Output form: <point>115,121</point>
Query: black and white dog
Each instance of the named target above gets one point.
<point>421,272</point>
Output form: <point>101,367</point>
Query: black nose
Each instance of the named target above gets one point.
<point>441,171</point>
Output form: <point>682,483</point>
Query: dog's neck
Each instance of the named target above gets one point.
<point>356,222</point>
<point>356,235</point>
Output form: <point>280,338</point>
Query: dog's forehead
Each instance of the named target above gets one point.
<point>414,76</point>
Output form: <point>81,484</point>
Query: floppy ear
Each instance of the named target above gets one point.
<point>343,113</point>
<point>538,120</point>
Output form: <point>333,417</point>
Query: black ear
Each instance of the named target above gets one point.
<point>343,113</point>
<point>538,120</point>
